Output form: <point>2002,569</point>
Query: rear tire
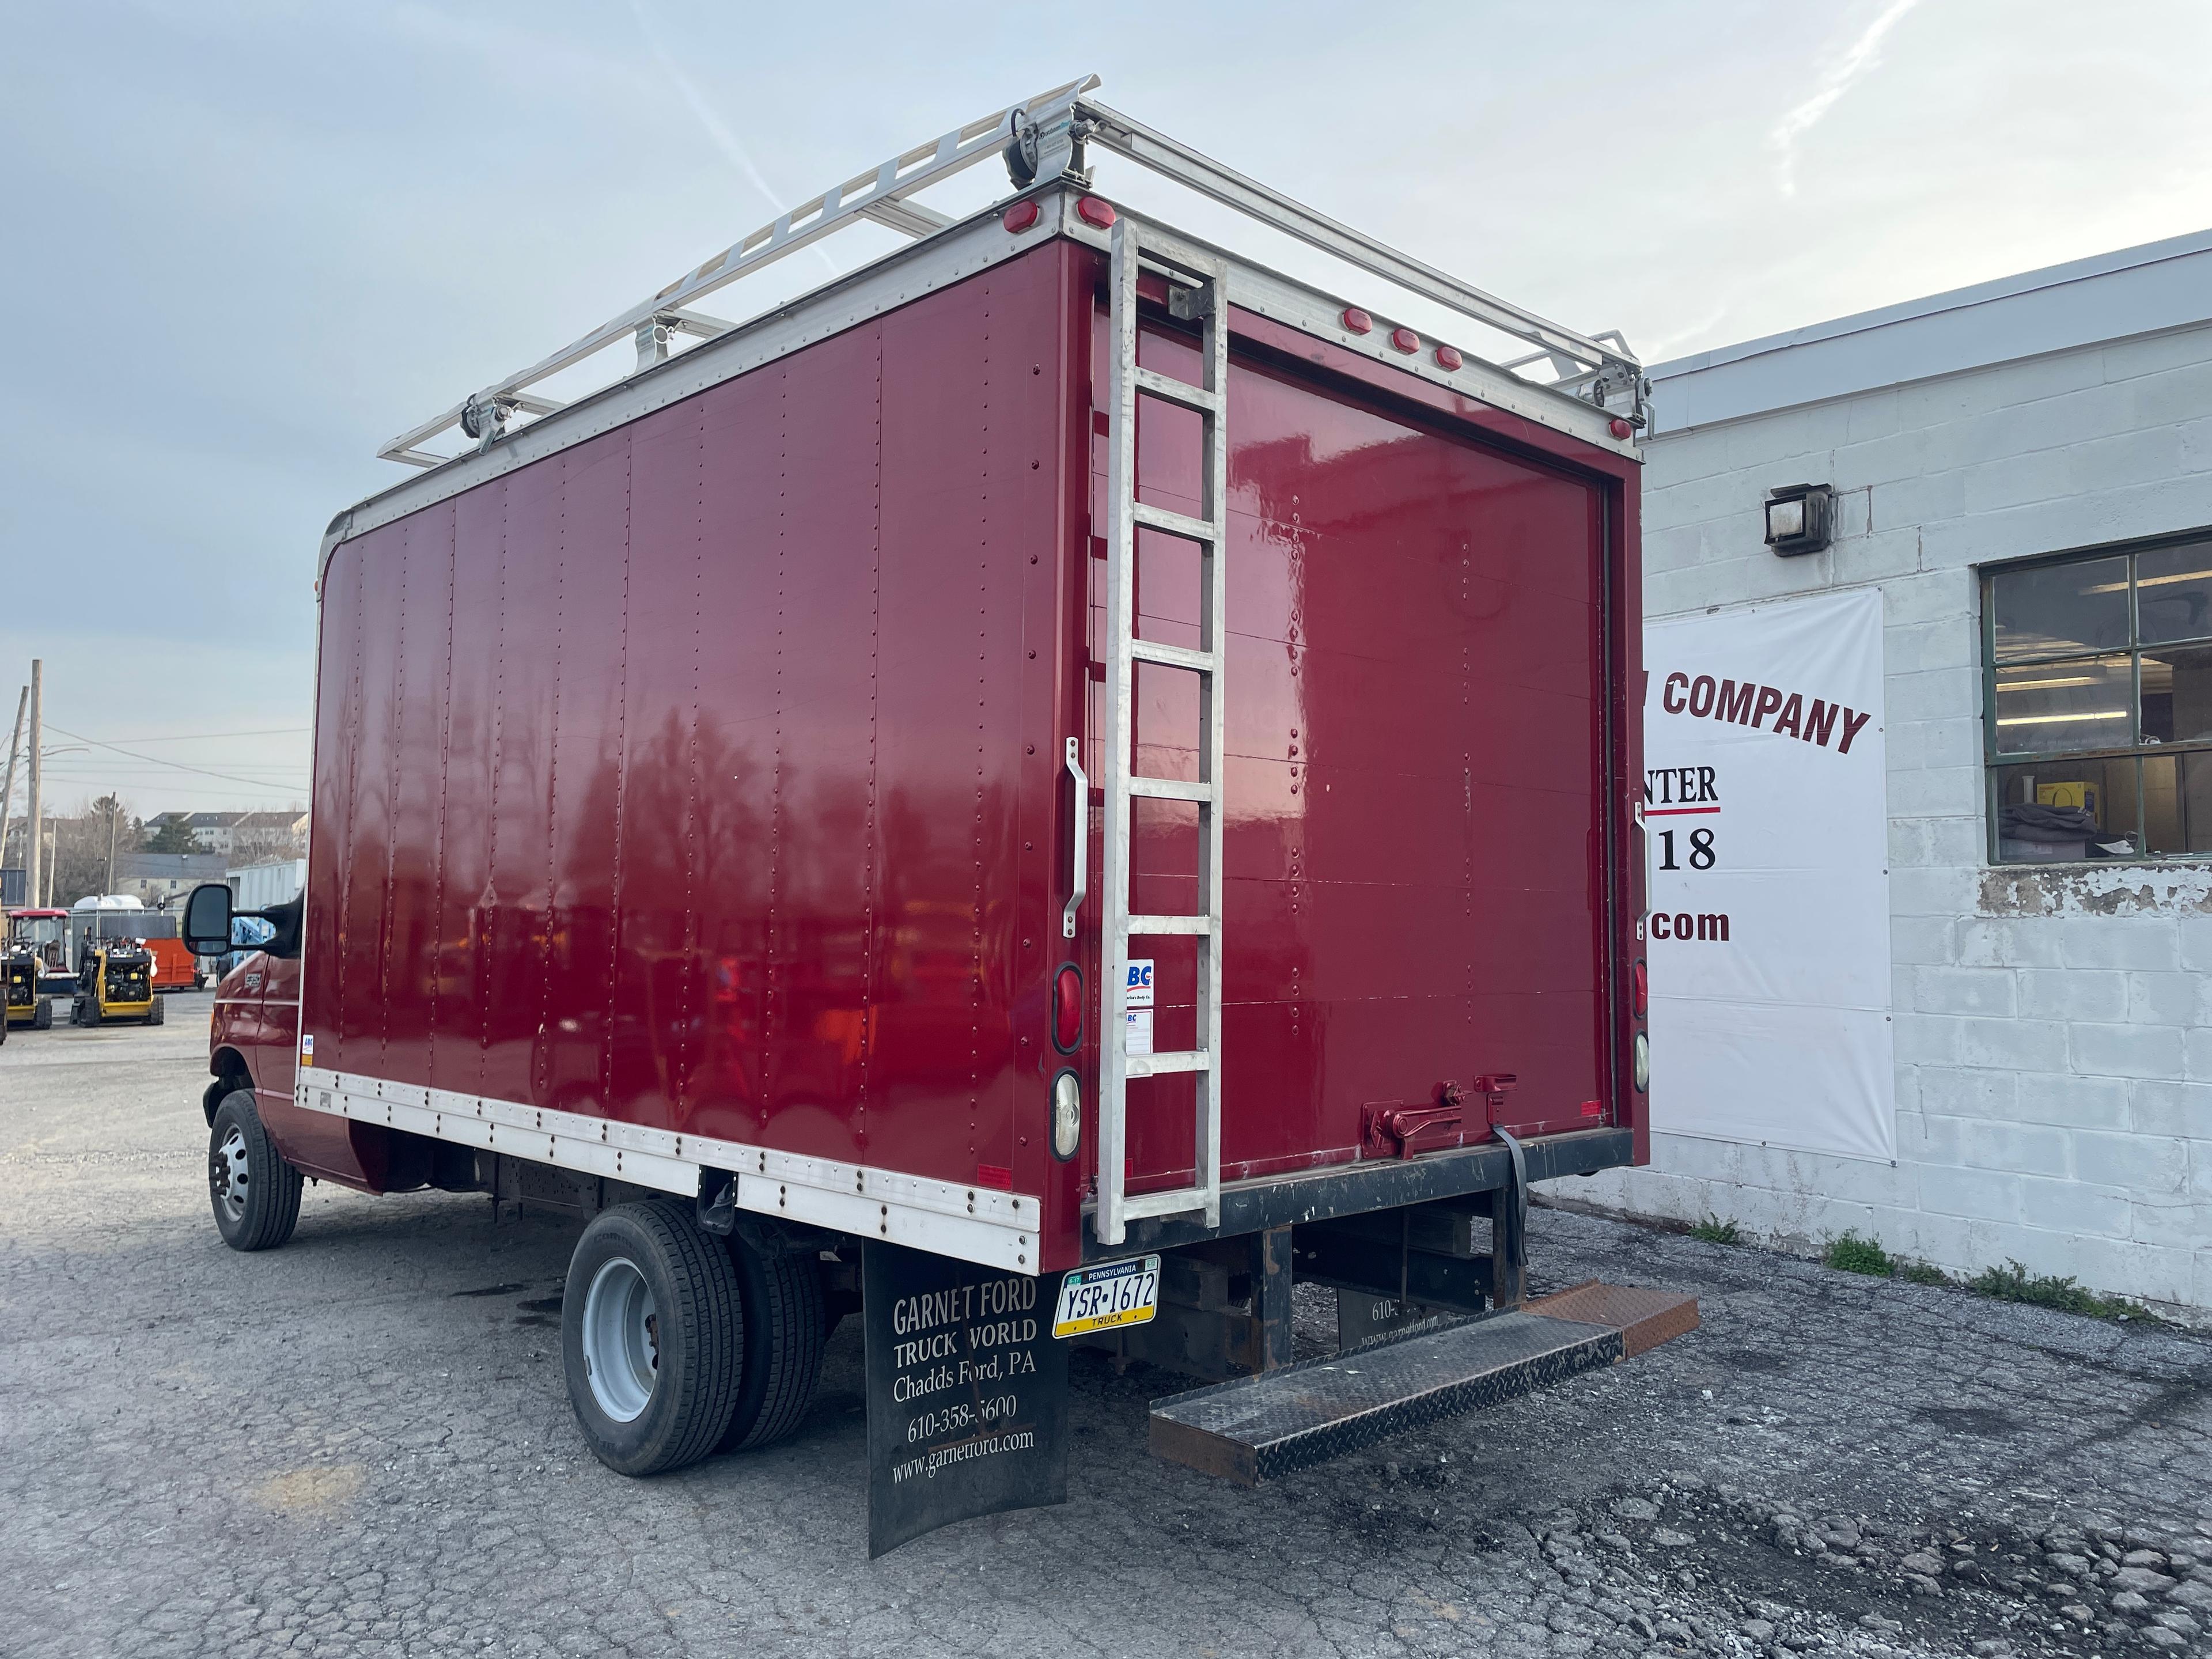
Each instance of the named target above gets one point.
<point>786,1329</point>
<point>254,1192</point>
<point>158,1016</point>
<point>44,1020</point>
<point>652,1338</point>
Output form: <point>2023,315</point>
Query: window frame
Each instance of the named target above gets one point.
<point>1996,760</point>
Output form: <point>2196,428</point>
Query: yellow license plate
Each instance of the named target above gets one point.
<point>1101,1298</point>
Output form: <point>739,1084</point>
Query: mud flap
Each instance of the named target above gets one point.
<point>967,1393</point>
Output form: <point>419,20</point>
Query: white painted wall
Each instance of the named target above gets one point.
<point>2053,1028</point>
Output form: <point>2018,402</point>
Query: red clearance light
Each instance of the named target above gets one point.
<point>1642,990</point>
<point>1067,1008</point>
<point>1020,217</point>
<point>1449,357</point>
<point>1620,428</point>
<point>1358,320</point>
<point>1405,339</point>
<point>1095,212</point>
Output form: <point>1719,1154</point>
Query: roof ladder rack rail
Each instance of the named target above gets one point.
<point>878,195</point>
<point>1111,130</point>
<point>1207,535</point>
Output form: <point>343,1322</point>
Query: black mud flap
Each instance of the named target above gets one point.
<point>967,1393</point>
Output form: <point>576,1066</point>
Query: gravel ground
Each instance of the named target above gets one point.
<point>360,1444</point>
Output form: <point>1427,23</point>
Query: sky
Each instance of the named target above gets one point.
<point>244,244</point>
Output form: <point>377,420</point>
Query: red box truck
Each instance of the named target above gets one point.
<point>1060,748</point>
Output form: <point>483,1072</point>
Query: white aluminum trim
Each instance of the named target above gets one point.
<point>1170,789</point>
<point>1169,1064</point>
<point>1168,389</point>
<point>981,1224</point>
<point>1177,1201</point>
<point>1279,298</point>
<point>881,286</point>
<point>1170,927</point>
<point>878,194</point>
<point>1175,524</point>
<point>906,274</point>
<point>1172,656</point>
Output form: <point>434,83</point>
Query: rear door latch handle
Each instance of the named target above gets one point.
<point>1081,820</point>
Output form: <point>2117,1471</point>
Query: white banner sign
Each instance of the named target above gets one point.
<point>1769,833</point>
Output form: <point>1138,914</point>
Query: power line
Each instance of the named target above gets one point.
<point>198,736</point>
<point>156,760</point>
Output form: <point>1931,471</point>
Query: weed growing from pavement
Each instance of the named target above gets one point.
<point>2012,1283</point>
<point>1714,1231</point>
<point>1852,1255</point>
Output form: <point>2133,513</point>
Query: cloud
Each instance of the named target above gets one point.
<point>1863,54</point>
<point>725,140</point>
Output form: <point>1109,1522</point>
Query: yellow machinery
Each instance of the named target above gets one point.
<point>115,982</point>
<point>19,975</point>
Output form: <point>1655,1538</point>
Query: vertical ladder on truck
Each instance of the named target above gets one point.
<point>1197,289</point>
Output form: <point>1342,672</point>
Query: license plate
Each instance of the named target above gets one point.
<point>1101,1299</point>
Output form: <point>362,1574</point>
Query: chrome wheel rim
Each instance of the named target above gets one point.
<point>227,1174</point>
<point>621,1340</point>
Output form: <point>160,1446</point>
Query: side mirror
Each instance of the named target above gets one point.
<point>207,920</point>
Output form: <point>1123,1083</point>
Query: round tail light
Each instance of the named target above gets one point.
<point>1067,1008</point>
<point>1642,990</point>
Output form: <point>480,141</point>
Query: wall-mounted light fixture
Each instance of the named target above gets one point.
<point>1798,517</point>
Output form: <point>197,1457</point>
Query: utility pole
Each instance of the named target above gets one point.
<point>114,805</point>
<point>8,788</point>
<point>38,801</point>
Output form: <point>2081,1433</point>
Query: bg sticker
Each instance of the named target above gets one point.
<point>1137,1009</point>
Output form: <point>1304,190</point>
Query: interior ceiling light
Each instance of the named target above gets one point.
<point>2053,720</point>
<point>2152,582</point>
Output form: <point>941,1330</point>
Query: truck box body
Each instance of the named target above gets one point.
<point>690,786</point>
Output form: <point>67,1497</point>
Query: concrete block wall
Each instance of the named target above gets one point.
<point>2053,1027</point>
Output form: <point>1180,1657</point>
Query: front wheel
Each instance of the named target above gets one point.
<point>256,1194</point>
<point>44,1020</point>
<point>651,1338</point>
<point>158,1014</point>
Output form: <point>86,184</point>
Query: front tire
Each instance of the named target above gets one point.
<point>652,1335</point>
<point>255,1193</point>
<point>158,1014</point>
<point>44,1020</point>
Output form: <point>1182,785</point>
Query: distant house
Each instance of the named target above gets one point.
<point>154,879</point>
<point>270,835</point>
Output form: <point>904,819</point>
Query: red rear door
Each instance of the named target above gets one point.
<point>1416,682</point>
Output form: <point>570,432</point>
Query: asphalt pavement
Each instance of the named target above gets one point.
<point>360,1444</point>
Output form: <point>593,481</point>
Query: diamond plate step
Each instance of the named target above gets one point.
<point>1258,1428</point>
<point>1644,1317</point>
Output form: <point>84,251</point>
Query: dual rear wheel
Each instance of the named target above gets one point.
<point>678,1343</point>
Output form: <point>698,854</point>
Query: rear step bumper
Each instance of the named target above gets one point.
<point>1258,1428</point>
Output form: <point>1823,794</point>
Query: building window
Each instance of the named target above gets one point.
<point>2097,674</point>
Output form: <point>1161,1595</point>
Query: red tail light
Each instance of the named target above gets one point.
<point>1642,990</point>
<point>1067,1008</point>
